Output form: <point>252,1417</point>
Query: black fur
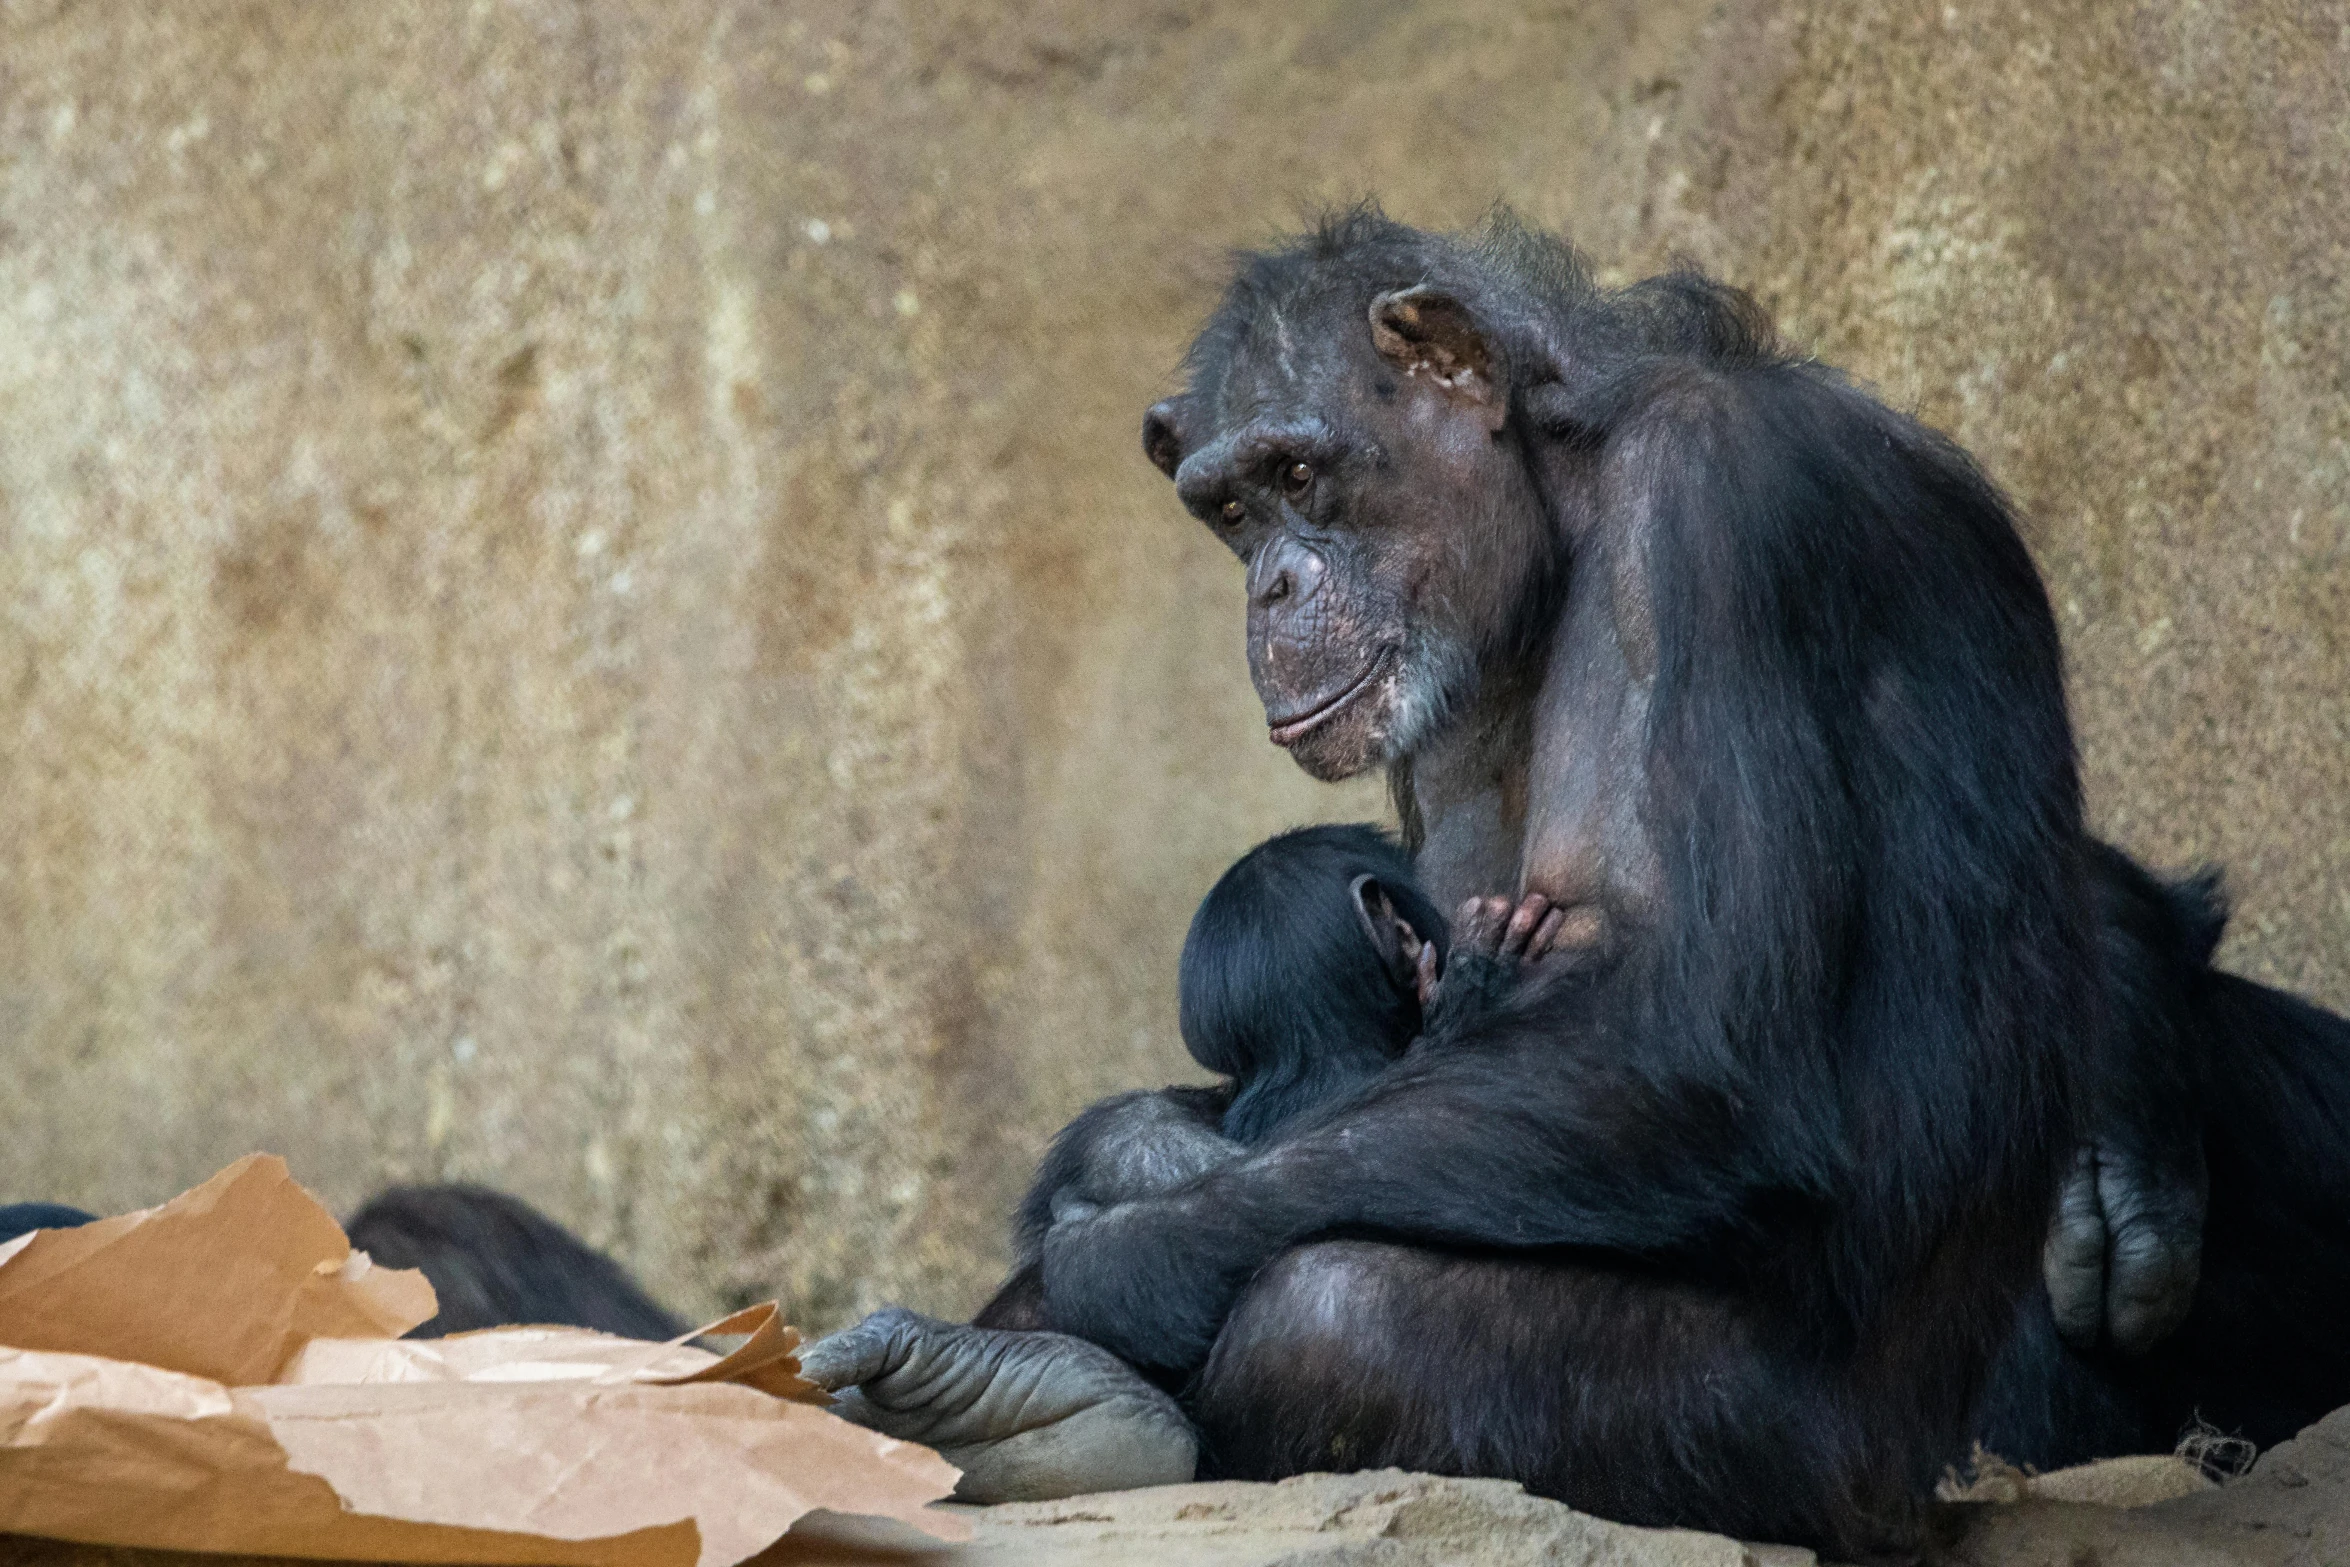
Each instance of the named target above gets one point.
<point>493,1260</point>
<point>19,1218</point>
<point>2203,1069</point>
<point>1725,1229</point>
<point>1064,1167</point>
<point>2263,1354</point>
<point>1281,989</point>
<point>1274,958</point>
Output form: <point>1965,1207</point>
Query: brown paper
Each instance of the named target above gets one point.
<point>225,1281</point>
<point>221,1374</point>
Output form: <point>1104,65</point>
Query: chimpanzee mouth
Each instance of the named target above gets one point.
<point>1288,731</point>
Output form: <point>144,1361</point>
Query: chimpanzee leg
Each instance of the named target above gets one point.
<point>1630,1397</point>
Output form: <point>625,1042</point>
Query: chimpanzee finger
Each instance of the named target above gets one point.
<point>1522,924</point>
<point>866,1352</point>
<point>1546,934</point>
<point>1425,975</point>
<point>1487,926</point>
<point>2072,1263</point>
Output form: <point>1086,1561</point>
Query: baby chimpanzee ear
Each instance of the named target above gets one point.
<point>1392,936</point>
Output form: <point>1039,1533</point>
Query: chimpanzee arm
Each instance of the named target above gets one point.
<point>1127,1146</point>
<point>1514,1143</point>
<point>2125,1250</point>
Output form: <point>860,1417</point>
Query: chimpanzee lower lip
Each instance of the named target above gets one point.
<point>1285,731</point>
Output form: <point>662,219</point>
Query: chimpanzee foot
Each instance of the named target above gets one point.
<point>1492,938</point>
<point>1027,1417</point>
<point>2124,1252</point>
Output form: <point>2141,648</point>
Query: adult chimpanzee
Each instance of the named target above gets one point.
<point>1719,1216</point>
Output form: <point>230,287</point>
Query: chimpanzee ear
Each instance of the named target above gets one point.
<point>1162,435</point>
<point>1384,926</point>
<point>1424,333</point>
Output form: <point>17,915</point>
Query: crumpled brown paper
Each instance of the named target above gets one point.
<point>223,1373</point>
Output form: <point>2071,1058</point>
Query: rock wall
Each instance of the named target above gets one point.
<point>581,609</point>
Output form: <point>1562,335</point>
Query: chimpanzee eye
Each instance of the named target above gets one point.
<point>1232,512</point>
<point>1297,479</point>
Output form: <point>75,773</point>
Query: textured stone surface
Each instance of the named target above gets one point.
<point>579,608</point>
<point>1383,1518</point>
<point>2292,1510</point>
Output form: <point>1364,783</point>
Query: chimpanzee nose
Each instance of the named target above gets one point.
<point>1284,574</point>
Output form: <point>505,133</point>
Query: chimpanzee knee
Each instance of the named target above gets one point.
<point>1314,1370</point>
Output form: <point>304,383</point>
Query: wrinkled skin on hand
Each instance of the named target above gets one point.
<point>2126,1248</point>
<point>1026,1416</point>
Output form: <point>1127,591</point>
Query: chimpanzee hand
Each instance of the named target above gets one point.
<point>1027,1417</point>
<point>1126,1147</point>
<point>1492,940</point>
<point>2126,1247</point>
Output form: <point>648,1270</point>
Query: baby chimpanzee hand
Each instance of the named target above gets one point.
<point>1130,1146</point>
<point>1492,939</point>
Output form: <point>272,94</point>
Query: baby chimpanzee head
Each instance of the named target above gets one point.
<point>1297,976</point>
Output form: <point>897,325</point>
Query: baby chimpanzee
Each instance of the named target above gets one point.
<point>1305,971</point>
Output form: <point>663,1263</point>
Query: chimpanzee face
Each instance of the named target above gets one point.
<point>1361,465</point>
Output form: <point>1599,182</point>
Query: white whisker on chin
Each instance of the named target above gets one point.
<point>1436,677</point>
